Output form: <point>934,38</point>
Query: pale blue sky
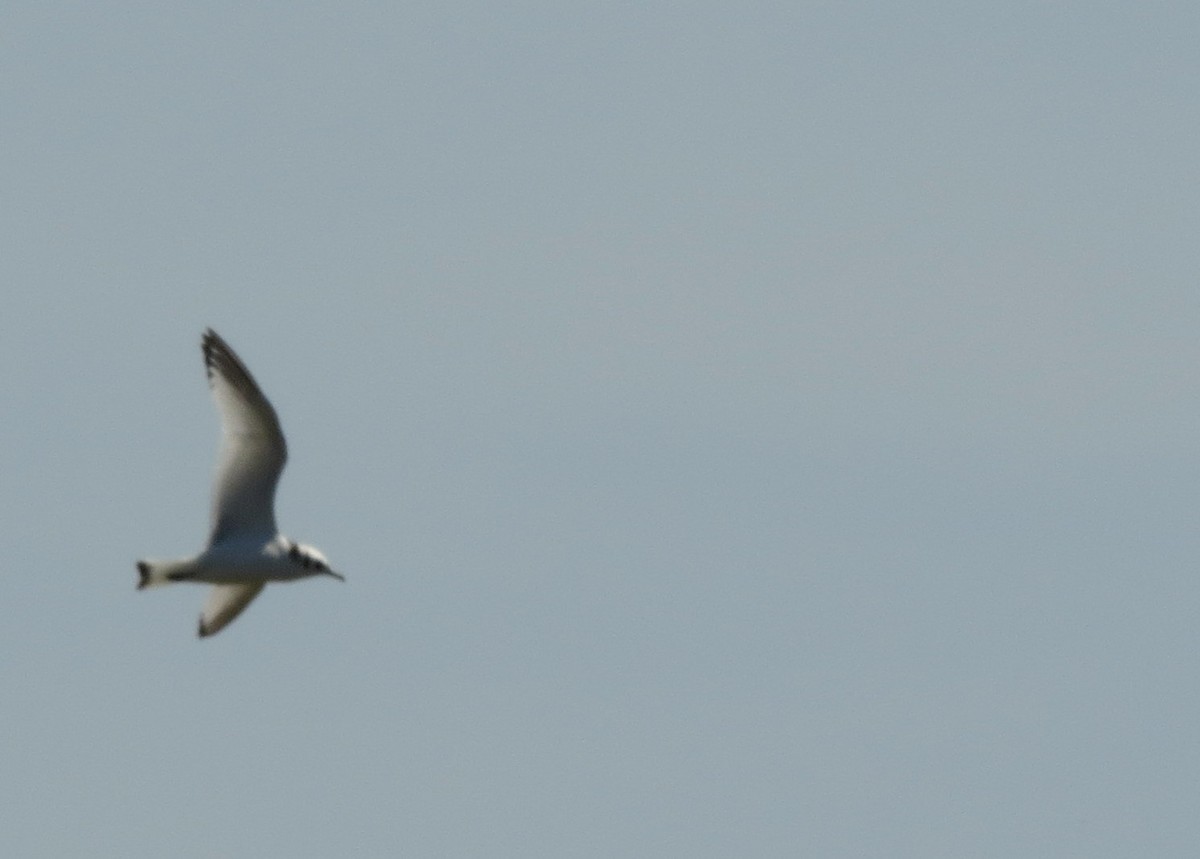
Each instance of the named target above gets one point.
<point>758,429</point>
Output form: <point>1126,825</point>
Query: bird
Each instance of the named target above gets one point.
<point>245,550</point>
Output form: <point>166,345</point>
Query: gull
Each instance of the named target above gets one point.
<point>245,550</point>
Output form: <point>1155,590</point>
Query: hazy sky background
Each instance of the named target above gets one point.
<point>757,429</point>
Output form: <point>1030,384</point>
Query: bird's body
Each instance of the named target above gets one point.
<point>236,560</point>
<point>245,550</point>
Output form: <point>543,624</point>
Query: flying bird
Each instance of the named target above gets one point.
<point>245,551</point>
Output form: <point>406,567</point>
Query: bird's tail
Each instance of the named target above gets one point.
<point>154,573</point>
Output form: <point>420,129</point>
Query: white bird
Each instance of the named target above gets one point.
<point>244,551</point>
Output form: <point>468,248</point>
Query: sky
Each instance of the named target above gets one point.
<point>760,429</point>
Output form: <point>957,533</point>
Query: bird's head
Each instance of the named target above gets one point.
<point>311,559</point>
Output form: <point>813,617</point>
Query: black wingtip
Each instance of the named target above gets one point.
<point>208,344</point>
<point>202,630</point>
<point>143,574</point>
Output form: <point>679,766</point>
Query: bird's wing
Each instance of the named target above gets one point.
<point>252,448</point>
<point>225,602</point>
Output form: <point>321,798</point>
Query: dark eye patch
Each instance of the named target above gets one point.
<point>304,559</point>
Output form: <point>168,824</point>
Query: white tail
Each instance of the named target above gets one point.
<point>154,573</point>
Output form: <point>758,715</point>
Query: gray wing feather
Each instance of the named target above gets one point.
<point>253,451</point>
<point>224,603</point>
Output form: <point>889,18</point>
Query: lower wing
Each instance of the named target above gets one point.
<point>225,602</point>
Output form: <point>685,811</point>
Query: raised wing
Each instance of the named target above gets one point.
<point>253,451</point>
<point>225,602</point>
